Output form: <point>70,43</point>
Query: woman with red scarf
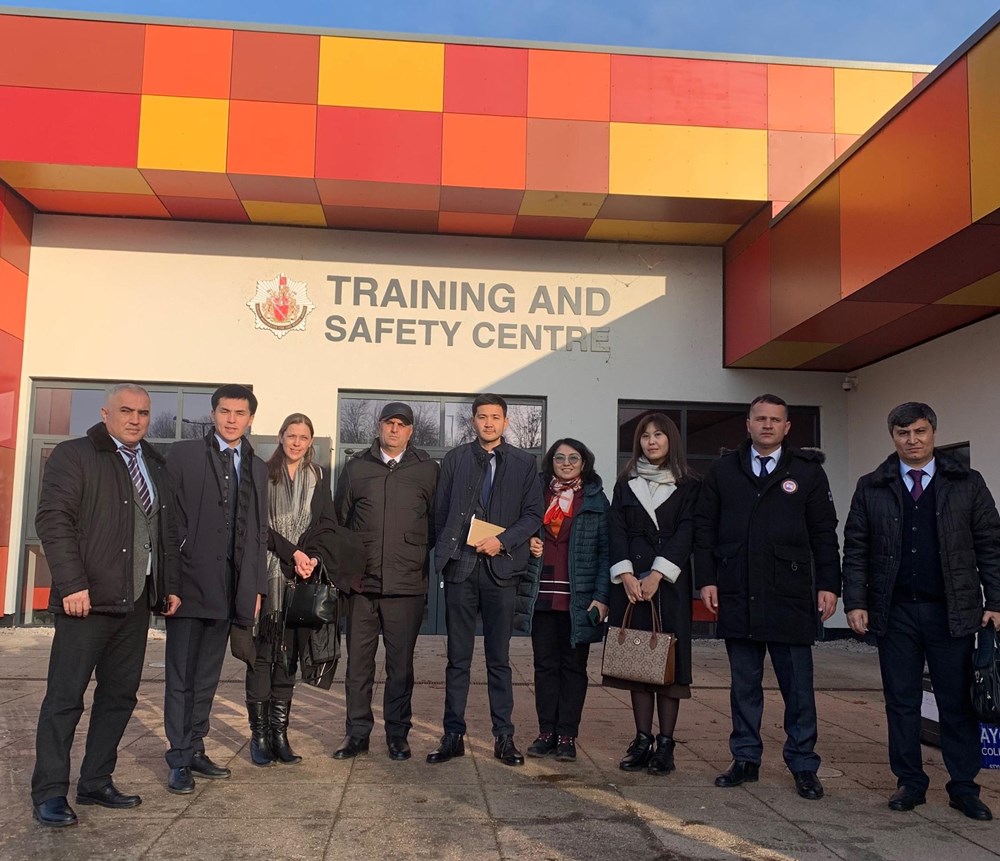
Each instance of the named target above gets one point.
<point>574,581</point>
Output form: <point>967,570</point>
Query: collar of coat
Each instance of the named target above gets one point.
<point>811,455</point>
<point>246,451</point>
<point>948,466</point>
<point>103,441</point>
<point>409,453</point>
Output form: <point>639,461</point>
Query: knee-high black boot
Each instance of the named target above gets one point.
<point>260,732</point>
<point>279,732</point>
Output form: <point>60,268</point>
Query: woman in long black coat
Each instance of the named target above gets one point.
<point>651,535</point>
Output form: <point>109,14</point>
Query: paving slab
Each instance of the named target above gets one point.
<point>476,809</point>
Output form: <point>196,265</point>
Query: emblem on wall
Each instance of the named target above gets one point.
<point>281,305</point>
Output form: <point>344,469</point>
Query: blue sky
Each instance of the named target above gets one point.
<point>898,31</point>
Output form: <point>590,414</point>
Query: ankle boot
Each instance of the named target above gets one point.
<point>260,732</point>
<point>662,761</point>
<point>638,753</point>
<point>279,732</point>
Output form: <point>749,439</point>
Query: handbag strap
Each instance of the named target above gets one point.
<point>627,619</point>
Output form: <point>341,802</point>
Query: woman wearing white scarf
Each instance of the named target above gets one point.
<point>651,536</point>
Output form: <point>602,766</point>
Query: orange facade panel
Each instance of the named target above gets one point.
<point>568,85</point>
<point>271,138</point>
<point>187,61</point>
<point>800,99</point>
<point>908,187</point>
<point>483,152</point>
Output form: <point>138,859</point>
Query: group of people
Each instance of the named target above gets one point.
<point>214,539</point>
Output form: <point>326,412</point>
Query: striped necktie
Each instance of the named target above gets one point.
<point>141,488</point>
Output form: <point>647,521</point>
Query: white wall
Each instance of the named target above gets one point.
<point>167,301</point>
<point>956,375</point>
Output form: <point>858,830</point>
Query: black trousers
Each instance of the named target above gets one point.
<point>269,679</point>
<point>494,600</point>
<point>915,632</point>
<point>793,666</point>
<point>560,673</point>
<point>112,649</point>
<point>195,651</point>
<point>399,619</point>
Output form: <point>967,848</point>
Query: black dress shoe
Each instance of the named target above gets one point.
<point>350,748</point>
<point>54,812</point>
<point>807,785</point>
<point>399,749</point>
<point>201,764</point>
<point>180,781</point>
<point>452,745</point>
<point>543,745</point>
<point>108,796</point>
<point>505,750</point>
<point>972,807</point>
<point>906,798</point>
<point>739,772</point>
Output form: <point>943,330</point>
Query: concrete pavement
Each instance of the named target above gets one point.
<point>474,808</point>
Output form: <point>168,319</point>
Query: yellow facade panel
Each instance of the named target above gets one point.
<point>668,232</point>
<point>73,177</point>
<point>862,96</point>
<point>783,354</point>
<point>297,214</point>
<point>381,73</point>
<point>688,161</point>
<point>985,291</point>
<point>566,204</point>
<point>984,124</point>
<point>178,133</point>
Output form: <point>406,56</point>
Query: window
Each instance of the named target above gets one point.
<point>707,429</point>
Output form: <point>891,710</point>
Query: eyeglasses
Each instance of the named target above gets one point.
<point>571,459</point>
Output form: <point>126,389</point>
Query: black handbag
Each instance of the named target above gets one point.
<point>986,676</point>
<point>311,603</point>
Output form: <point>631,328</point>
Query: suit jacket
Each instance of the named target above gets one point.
<point>515,503</point>
<point>195,467</point>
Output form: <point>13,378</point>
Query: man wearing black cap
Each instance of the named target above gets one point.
<point>386,493</point>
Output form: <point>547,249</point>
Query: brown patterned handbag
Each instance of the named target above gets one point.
<point>639,656</point>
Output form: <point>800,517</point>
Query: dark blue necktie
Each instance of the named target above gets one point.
<point>487,481</point>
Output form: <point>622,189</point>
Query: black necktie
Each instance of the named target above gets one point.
<point>391,464</point>
<point>764,459</point>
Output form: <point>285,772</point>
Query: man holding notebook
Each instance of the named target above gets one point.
<point>497,484</point>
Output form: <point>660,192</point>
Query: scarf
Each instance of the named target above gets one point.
<point>289,511</point>
<point>652,486</point>
<point>561,505</point>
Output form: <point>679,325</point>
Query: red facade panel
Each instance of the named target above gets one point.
<point>53,53</point>
<point>688,92</point>
<point>747,299</point>
<point>567,155</point>
<point>69,127</point>
<point>484,80</point>
<point>275,67</point>
<point>378,145</point>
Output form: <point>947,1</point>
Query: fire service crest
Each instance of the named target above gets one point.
<point>281,305</point>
